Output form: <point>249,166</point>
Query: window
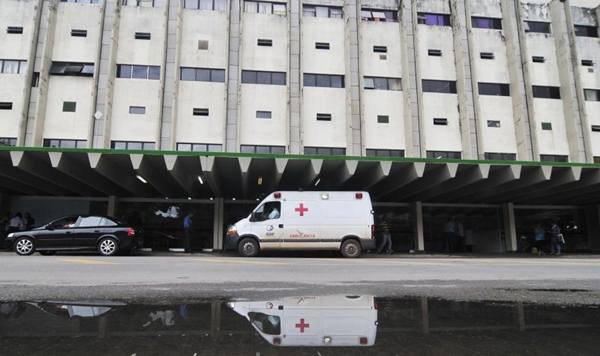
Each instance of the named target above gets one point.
<point>263,114</point>
<point>497,89</point>
<point>554,158</point>
<point>62,143</point>
<point>440,121</point>
<point>142,35</point>
<point>486,55</point>
<point>199,147</point>
<point>6,106</point>
<point>132,145</point>
<point>383,119</point>
<point>587,62</point>
<point>486,22</point>
<point>69,106</point>
<point>323,117</point>
<point>322,11</point>
<point>264,42</point>
<point>586,31</point>
<point>493,123</point>
<point>330,151</point>
<point>595,128</point>
<point>200,111</point>
<point>138,72</point>
<point>137,110</point>
<point>72,69</point>
<point>380,49</point>
<point>597,159</point>
<point>323,80</point>
<point>435,52</point>
<point>202,74</point>
<point>86,1</point>
<point>9,66</point>
<point>202,44</point>
<point>546,126</point>
<point>592,94</point>
<point>384,153</point>
<point>379,15</point>
<point>537,27</point>
<point>79,33</point>
<point>321,45</point>
<point>546,92</point>
<point>538,59</point>
<point>14,30</point>
<point>267,211</point>
<point>216,5</point>
<point>262,7</point>
<point>495,156</point>
<point>430,19</point>
<point>439,86</point>
<point>35,79</point>
<point>443,154</point>
<point>262,149</point>
<point>380,83</point>
<point>8,141</point>
<point>260,77</point>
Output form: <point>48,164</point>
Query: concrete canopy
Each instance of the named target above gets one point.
<point>199,175</point>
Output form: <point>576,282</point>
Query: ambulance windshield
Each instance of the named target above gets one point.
<point>268,324</point>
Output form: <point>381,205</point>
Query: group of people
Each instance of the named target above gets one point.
<point>556,242</point>
<point>12,223</point>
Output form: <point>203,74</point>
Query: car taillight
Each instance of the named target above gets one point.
<point>130,232</point>
<point>373,228</point>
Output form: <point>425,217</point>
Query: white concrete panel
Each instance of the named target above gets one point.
<point>211,26</point>
<point>436,37</point>
<point>490,70</point>
<point>142,19</point>
<point>385,136</point>
<point>324,133</point>
<point>264,26</point>
<point>317,29</point>
<point>12,88</point>
<point>436,137</point>
<point>542,73</point>
<point>497,139</point>
<point>380,34</point>
<point>552,142</point>
<point>201,129</point>
<point>270,132</point>
<point>77,17</point>
<point>589,49</point>
<point>16,13</point>
<point>135,92</point>
<point>69,125</point>
<point>592,109</point>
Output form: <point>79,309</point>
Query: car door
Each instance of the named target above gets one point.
<point>57,234</point>
<point>87,231</point>
<point>267,224</point>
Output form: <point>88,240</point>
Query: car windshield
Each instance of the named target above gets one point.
<point>268,324</point>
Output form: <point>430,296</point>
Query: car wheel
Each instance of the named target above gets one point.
<point>47,253</point>
<point>351,248</point>
<point>108,246</point>
<point>248,247</point>
<point>24,246</point>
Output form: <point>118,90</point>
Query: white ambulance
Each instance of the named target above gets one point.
<point>341,221</point>
<point>313,321</point>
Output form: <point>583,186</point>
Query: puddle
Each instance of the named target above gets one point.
<point>310,325</point>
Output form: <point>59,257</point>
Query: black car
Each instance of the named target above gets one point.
<point>76,233</point>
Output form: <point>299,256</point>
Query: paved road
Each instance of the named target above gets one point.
<point>562,280</point>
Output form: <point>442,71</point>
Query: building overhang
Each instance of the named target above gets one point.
<point>199,175</point>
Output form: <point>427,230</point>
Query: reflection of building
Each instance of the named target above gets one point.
<point>510,83</point>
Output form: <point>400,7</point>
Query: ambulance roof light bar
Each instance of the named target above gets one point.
<point>358,195</point>
<point>277,195</point>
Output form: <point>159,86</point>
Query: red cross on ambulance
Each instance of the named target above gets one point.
<point>301,209</point>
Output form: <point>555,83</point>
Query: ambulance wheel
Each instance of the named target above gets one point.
<point>248,247</point>
<point>351,248</point>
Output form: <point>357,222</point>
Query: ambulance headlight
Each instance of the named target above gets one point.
<point>231,305</point>
<point>231,231</point>
<point>11,235</point>
<point>327,340</point>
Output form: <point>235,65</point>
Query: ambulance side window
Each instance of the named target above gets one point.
<point>267,211</point>
<point>268,324</point>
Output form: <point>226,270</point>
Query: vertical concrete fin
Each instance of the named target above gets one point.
<point>452,169</point>
<point>280,164</point>
<point>170,161</point>
<point>385,167</point>
<point>207,163</point>
<point>516,170</point>
<point>55,158</point>
<point>16,157</point>
<point>244,163</point>
<point>484,170</point>
<point>546,171</point>
<point>136,160</point>
<point>576,172</point>
<point>351,166</point>
<point>316,165</point>
<point>94,159</point>
<point>419,169</point>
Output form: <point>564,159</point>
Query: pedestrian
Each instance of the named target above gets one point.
<point>539,237</point>
<point>450,232</point>
<point>556,239</point>
<point>187,230</point>
<point>386,237</point>
<point>29,221</point>
<point>16,223</point>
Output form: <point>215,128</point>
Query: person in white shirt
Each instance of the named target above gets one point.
<point>16,223</point>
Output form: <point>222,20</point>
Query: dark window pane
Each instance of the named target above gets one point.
<point>140,72</point>
<point>546,92</point>
<point>248,77</point>
<point>381,83</point>
<point>337,81</point>
<point>278,150</point>
<point>188,74</point>
<point>154,73</point>
<point>247,149</point>
<point>537,27</point>
<point>134,145</point>
<point>310,80</point>
<point>263,149</point>
<point>263,78</point>
<point>203,75</point>
<point>124,71</point>
<point>439,86</point>
<point>217,75</point>
<point>310,150</point>
<point>323,80</point>
<point>184,147</point>
<point>486,22</point>
<point>494,89</point>
<point>214,148</point>
<point>278,78</point>
<point>592,94</point>
<point>586,31</point>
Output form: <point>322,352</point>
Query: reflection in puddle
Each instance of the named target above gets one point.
<point>335,325</point>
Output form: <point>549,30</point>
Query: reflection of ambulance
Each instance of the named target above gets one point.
<point>313,321</point>
<point>341,221</point>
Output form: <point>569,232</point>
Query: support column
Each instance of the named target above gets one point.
<point>168,135</point>
<point>510,226</point>
<point>419,231</point>
<point>409,80</point>
<point>295,73</point>
<point>353,134</point>
<point>233,77</point>
<point>218,224</point>
<point>112,206</point>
